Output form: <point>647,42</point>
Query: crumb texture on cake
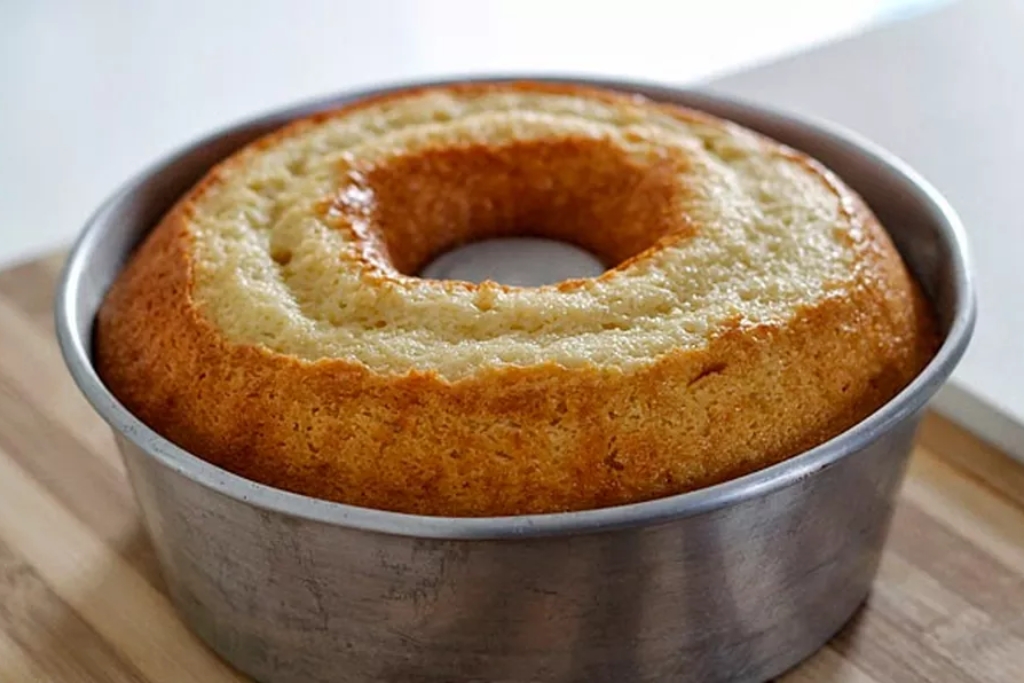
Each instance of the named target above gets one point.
<point>273,322</point>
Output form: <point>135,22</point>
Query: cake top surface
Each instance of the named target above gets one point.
<point>308,242</point>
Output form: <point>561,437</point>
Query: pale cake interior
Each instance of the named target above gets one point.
<point>309,243</point>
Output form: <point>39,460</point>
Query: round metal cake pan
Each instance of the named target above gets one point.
<point>737,582</point>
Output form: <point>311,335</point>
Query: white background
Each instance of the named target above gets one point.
<point>90,92</point>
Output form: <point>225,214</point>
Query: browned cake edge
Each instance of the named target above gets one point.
<point>508,440</point>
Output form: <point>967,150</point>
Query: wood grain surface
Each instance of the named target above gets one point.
<point>82,601</point>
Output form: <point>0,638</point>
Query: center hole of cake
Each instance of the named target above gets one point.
<point>516,262</point>
<point>520,213</point>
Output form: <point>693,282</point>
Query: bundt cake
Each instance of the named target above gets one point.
<point>273,323</point>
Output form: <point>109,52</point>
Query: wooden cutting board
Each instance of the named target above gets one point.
<point>81,599</point>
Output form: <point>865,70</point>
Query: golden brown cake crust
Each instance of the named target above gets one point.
<point>508,439</point>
